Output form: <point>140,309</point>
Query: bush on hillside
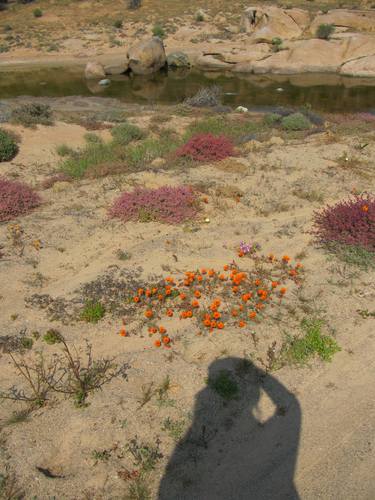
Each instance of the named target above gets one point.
<point>348,222</point>
<point>16,198</point>
<point>8,146</point>
<point>166,204</point>
<point>206,147</point>
<point>296,121</point>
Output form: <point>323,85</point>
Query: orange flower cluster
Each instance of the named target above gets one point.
<point>216,299</point>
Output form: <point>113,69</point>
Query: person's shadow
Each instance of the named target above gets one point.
<point>228,454</point>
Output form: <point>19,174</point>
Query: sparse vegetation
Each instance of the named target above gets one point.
<point>325,31</point>
<point>300,350</point>
<point>93,312</point>
<point>296,121</point>
<point>37,13</point>
<point>124,133</point>
<point>8,146</point>
<point>30,115</point>
<point>158,31</point>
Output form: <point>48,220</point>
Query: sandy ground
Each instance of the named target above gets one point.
<point>333,440</point>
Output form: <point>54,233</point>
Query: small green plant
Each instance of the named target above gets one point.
<point>64,150</point>
<point>354,255</point>
<point>299,350</point>
<point>93,312</point>
<point>27,343</point>
<point>295,121</point>
<point>117,23</point>
<point>8,146</point>
<point>18,417</point>
<point>158,31</point>
<point>174,428</point>
<point>145,456</point>
<point>272,119</point>
<point>52,336</point>
<point>124,133</point>
<point>225,385</point>
<point>325,31</point>
<point>123,255</point>
<point>276,44</point>
<point>101,455</point>
<point>37,13</point>
<point>93,138</point>
<point>199,17</point>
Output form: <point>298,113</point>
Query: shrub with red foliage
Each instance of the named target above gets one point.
<point>349,222</point>
<point>206,147</point>
<point>166,204</point>
<point>16,198</point>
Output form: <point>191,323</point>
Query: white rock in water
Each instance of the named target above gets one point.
<point>105,82</point>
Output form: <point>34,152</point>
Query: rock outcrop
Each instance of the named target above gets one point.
<point>178,60</point>
<point>363,67</point>
<point>147,56</point>
<point>346,19</point>
<point>94,71</point>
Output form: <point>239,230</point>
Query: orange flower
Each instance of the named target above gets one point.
<point>182,296</point>
<point>154,290</point>
<point>240,253</point>
<point>170,313</point>
<point>235,289</point>
<point>197,294</point>
<point>211,273</point>
<point>283,291</point>
<point>222,277</point>
<point>274,284</point>
<point>246,297</point>
<point>152,330</point>
<point>166,340</point>
<point>148,293</point>
<point>199,278</point>
<point>207,322</point>
<point>286,258</point>
<point>220,325</point>
<point>226,267</point>
<point>149,314</point>
<point>183,315</point>
<point>189,314</point>
<point>293,272</point>
<point>257,282</point>
<point>157,343</point>
<point>365,208</point>
<point>217,302</point>
<point>241,324</point>
<point>234,313</point>
<point>213,307</point>
<point>162,329</point>
<point>252,314</point>
<point>217,315</point>
<point>122,332</point>
<point>259,306</point>
<point>160,297</point>
<point>169,280</point>
<point>195,303</point>
<point>168,291</point>
<point>140,291</point>
<point>299,265</point>
<point>213,324</point>
<point>136,299</point>
<point>203,271</point>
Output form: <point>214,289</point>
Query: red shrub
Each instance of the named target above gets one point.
<point>166,204</point>
<point>207,147</point>
<point>349,222</point>
<point>16,199</point>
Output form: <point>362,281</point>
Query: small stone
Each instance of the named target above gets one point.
<point>104,82</point>
<point>241,109</point>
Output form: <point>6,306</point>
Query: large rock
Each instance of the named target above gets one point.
<point>363,67</point>
<point>116,69</point>
<point>305,56</point>
<point>147,56</point>
<point>212,62</point>
<point>266,23</point>
<point>357,45</point>
<point>178,60</point>
<point>94,71</point>
<point>341,18</point>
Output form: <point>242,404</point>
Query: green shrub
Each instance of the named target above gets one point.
<point>225,385</point>
<point>93,312</point>
<point>325,31</point>
<point>222,125</point>
<point>8,146</point>
<point>158,31</point>
<point>117,24</point>
<point>37,13</point>
<point>93,155</point>
<point>142,153</point>
<point>296,121</point>
<point>30,115</point>
<point>271,119</point>
<point>276,44</point>
<point>93,138</point>
<point>64,150</point>
<point>124,133</point>
<point>52,336</point>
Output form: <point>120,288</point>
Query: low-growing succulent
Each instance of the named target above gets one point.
<point>206,147</point>
<point>167,204</point>
<point>16,198</point>
<point>349,222</point>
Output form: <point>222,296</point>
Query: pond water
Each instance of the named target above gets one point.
<point>323,92</point>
